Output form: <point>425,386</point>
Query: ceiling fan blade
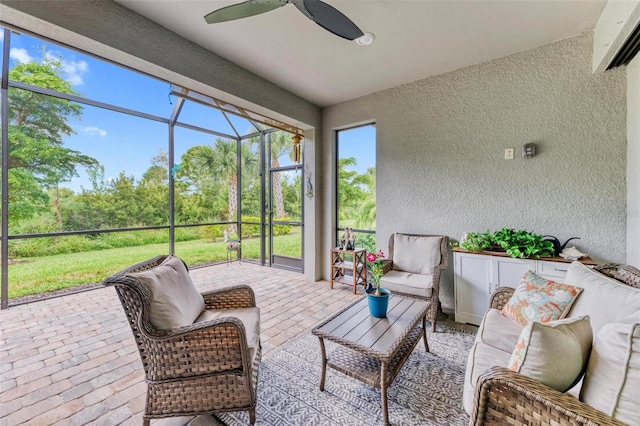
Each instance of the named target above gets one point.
<point>243,10</point>
<point>330,18</point>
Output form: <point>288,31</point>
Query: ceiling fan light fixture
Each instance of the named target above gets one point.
<point>366,39</point>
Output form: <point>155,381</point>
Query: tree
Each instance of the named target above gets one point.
<point>218,164</point>
<point>37,125</point>
<point>280,145</point>
<point>366,215</point>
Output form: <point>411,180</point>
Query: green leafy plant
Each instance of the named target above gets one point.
<point>516,243</point>
<point>523,243</point>
<point>477,241</point>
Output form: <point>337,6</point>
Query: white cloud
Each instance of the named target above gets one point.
<point>20,55</point>
<point>73,70</point>
<point>93,130</point>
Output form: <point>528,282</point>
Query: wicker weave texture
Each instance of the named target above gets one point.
<point>202,368</point>
<point>504,397</point>
<point>432,315</point>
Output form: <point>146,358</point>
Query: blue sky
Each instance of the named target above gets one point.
<point>121,142</point>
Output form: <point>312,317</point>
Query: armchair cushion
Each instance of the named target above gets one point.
<point>250,318</point>
<point>408,283</point>
<point>416,254</point>
<point>175,301</point>
<point>612,381</point>
<point>509,333</point>
<point>555,353</point>
<point>539,299</point>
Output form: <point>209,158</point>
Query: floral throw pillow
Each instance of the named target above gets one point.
<point>540,300</point>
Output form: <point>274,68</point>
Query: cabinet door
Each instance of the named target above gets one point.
<point>507,271</point>
<point>555,271</point>
<point>471,285</point>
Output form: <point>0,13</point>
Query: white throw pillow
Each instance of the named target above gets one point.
<point>175,302</point>
<point>604,299</point>
<point>612,381</point>
<point>416,254</point>
<point>554,353</point>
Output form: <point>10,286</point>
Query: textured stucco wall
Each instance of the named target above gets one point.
<point>633,159</point>
<point>441,141</point>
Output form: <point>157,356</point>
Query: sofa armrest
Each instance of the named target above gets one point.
<point>236,297</point>
<point>503,394</point>
<point>500,297</point>
<point>387,266</point>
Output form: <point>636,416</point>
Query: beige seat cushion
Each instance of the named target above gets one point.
<point>250,318</point>
<point>612,381</point>
<point>481,357</point>
<point>175,301</point>
<point>408,283</point>
<point>498,331</point>
<point>604,299</point>
<point>554,353</point>
<point>418,255</point>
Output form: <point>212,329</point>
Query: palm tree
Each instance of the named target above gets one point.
<point>366,216</point>
<point>220,162</point>
<point>280,145</point>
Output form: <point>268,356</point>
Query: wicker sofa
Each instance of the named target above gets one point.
<point>609,393</point>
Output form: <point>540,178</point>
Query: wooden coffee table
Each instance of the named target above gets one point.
<point>373,350</point>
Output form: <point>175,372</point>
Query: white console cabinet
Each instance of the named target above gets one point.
<point>477,275</point>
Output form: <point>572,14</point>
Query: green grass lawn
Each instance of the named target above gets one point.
<point>49,273</point>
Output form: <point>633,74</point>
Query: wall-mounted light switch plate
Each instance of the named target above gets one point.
<point>508,153</point>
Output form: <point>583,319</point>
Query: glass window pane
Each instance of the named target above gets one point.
<point>356,167</point>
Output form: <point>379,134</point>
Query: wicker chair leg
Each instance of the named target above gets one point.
<point>252,415</point>
<point>146,421</point>
<point>433,325</point>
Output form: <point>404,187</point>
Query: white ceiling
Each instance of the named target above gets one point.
<point>413,39</point>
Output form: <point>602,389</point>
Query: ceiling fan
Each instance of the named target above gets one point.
<point>328,17</point>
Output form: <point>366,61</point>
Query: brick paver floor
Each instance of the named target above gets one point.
<point>72,360</point>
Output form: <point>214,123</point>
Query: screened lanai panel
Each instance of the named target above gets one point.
<point>83,75</point>
<point>206,181</point>
<point>41,265</point>
<point>85,168</point>
<point>196,114</point>
<point>282,153</point>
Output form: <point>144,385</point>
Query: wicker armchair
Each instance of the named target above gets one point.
<point>203,368</point>
<point>429,286</point>
<point>503,396</point>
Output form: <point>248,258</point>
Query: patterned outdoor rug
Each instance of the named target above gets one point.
<point>428,390</point>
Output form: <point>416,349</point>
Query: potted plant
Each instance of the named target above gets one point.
<point>378,297</point>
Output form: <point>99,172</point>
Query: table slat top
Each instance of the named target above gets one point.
<point>354,327</point>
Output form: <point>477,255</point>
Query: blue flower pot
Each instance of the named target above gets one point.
<point>378,304</point>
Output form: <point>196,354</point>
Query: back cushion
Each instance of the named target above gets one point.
<point>612,381</point>
<point>414,254</point>
<point>604,299</point>
<point>175,302</point>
